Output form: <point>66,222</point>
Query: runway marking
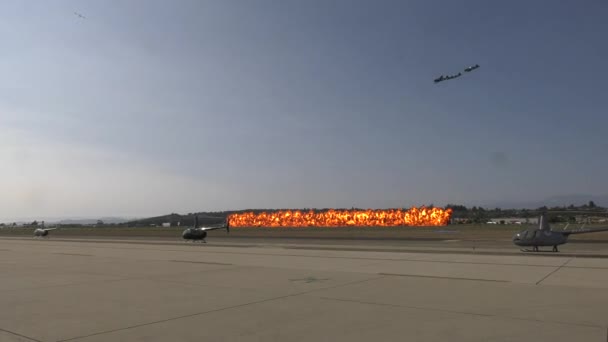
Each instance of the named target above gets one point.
<point>555,270</point>
<point>309,279</point>
<point>366,258</point>
<point>463,312</point>
<point>421,251</point>
<point>476,263</point>
<point>405,306</point>
<point>218,310</point>
<point>459,252</point>
<point>202,262</point>
<point>77,283</point>
<point>440,277</point>
<point>377,260</point>
<point>75,254</point>
<point>19,335</point>
<point>117,278</point>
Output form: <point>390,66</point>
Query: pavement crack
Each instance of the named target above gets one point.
<point>218,310</point>
<point>442,277</point>
<point>72,254</point>
<point>19,335</point>
<point>555,270</point>
<point>460,312</point>
<point>116,278</point>
<point>77,283</point>
<point>201,262</point>
<point>406,306</point>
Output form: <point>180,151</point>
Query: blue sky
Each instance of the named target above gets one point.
<point>150,107</point>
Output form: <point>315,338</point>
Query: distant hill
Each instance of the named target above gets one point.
<point>472,214</point>
<point>68,221</point>
<point>106,220</point>
<point>563,208</point>
<point>577,200</point>
<point>204,218</point>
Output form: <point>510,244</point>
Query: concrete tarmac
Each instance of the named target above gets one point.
<point>273,290</point>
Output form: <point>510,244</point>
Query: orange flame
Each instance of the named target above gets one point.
<point>343,218</point>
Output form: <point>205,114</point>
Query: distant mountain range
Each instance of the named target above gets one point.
<point>210,218</point>
<point>59,220</point>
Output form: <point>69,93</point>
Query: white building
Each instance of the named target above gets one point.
<point>514,220</point>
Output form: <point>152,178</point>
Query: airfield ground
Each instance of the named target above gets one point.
<point>460,232</point>
<point>292,288</point>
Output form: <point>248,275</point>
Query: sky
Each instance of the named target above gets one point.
<point>151,107</point>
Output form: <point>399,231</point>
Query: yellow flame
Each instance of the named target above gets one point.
<point>343,218</point>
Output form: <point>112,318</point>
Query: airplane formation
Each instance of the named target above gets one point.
<point>449,77</point>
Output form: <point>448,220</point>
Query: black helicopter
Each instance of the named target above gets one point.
<point>543,235</point>
<point>43,231</point>
<point>197,233</point>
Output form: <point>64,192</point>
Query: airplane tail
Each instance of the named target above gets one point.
<point>543,222</point>
<point>196,221</point>
<point>227,225</point>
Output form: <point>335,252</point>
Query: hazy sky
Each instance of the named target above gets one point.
<point>151,107</point>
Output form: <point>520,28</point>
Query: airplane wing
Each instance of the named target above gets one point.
<point>47,229</point>
<point>587,230</point>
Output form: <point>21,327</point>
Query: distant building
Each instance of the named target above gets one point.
<point>514,220</point>
<point>589,219</point>
<point>166,224</point>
